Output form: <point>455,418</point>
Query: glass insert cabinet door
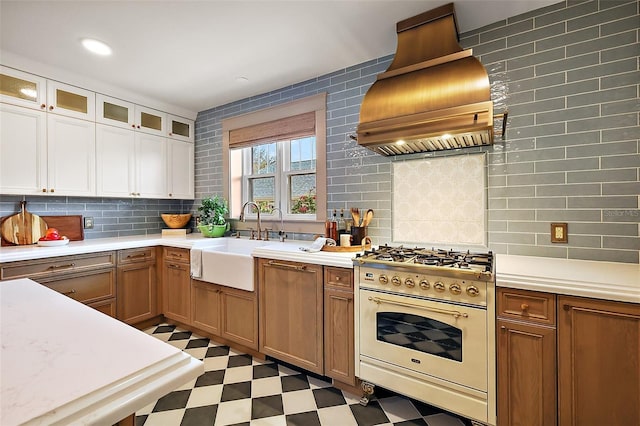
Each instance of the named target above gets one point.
<point>114,112</point>
<point>22,89</point>
<point>150,121</point>
<point>71,101</point>
<point>180,128</point>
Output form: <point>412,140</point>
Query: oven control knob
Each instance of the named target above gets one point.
<point>438,286</point>
<point>424,284</point>
<point>455,288</point>
<point>409,282</point>
<point>383,279</point>
<point>396,281</point>
<point>473,291</point>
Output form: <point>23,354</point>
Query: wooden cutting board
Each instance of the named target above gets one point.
<point>69,226</point>
<point>23,228</point>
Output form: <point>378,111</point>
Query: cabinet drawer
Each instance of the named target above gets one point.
<point>86,287</point>
<point>136,255</point>
<point>527,305</point>
<point>338,277</point>
<point>176,254</point>
<point>55,266</point>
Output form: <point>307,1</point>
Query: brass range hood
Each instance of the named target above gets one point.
<point>434,96</point>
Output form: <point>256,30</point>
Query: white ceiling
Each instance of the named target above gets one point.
<point>189,54</point>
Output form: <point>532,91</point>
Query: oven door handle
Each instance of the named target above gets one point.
<point>455,314</point>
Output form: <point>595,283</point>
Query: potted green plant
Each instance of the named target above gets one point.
<point>213,222</point>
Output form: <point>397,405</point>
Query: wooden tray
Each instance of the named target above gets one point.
<point>365,246</point>
<point>71,226</point>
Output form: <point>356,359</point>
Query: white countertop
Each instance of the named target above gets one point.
<point>62,361</point>
<point>600,280</point>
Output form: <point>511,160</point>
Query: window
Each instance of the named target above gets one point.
<point>276,158</point>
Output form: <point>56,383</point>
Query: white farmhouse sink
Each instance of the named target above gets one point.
<point>228,262</point>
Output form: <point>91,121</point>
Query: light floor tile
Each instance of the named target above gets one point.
<point>338,415</point>
<point>265,387</point>
<point>238,374</point>
<point>286,371</point>
<point>316,383</point>
<point>399,409</point>
<point>232,412</point>
<point>197,353</point>
<point>164,418</point>
<point>205,395</point>
<point>215,363</point>
<point>189,385</point>
<point>298,401</point>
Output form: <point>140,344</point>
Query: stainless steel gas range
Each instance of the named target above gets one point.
<point>425,327</point>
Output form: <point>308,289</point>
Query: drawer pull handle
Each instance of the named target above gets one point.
<point>174,266</point>
<point>136,256</point>
<point>524,307</point>
<point>66,265</point>
<point>68,293</point>
<point>286,265</point>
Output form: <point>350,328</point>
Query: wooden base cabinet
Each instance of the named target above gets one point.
<point>339,358</point>
<point>176,285</point>
<point>137,285</point>
<point>291,312</point>
<point>526,357</point>
<point>599,362</point>
<point>226,312</point>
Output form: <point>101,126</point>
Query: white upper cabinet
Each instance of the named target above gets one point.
<point>23,89</point>
<point>23,150</point>
<point>151,166</point>
<point>180,128</point>
<point>181,170</point>
<point>71,101</point>
<point>115,166</point>
<point>150,121</point>
<point>115,112</point>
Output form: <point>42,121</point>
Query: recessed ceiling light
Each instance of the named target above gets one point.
<point>95,46</point>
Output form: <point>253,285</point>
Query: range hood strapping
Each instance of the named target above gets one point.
<point>434,96</point>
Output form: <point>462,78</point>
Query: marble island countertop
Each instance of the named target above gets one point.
<point>64,363</point>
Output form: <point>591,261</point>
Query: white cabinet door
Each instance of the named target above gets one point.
<point>150,121</point>
<point>151,166</point>
<point>71,101</point>
<point>23,153</point>
<point>181,170</point>
<point>71,154</point>
<point>23,89</point>
<point>180,128</point>
<point>114,112</point>
<point>115,161</point>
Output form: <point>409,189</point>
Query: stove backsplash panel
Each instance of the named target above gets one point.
<point>440,201</point>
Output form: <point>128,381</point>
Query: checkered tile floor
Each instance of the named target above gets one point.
<point>237,389</point>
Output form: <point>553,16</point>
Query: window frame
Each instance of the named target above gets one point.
<point>317,105</point>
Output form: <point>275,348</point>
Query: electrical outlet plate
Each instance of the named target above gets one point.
<point>88,222</point>
<point>559,233</point>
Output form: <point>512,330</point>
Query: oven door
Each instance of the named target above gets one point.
<point>438,339</point>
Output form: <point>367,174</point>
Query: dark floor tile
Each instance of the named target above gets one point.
<point>200,416</point>
<point>197,343</point>
<point>239,360</point>
<point>234,391</point>
<point>164,329</point>
<point>310,418</point>
<point>370,415</point>
<point>217,351</point>
<point>413,422</point>
<point>209,378</point>
<point>265,370</point>
<point>328,397</point>
<point>425,409</point>
<point>172,401</point>
<point>141,419</point>
<point>294,382</point>
<point>266,406</point>
<point>181,335</point>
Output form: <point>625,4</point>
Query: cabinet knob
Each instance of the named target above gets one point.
<point>524,307</point>
<point>44,189</point>
<point>566,307</point>
<point>42,106</point>
<point>503,328</point>
<point>133,125</point>
<point>52,190</point>
<point>337,278</point>
<point>51,108</point>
